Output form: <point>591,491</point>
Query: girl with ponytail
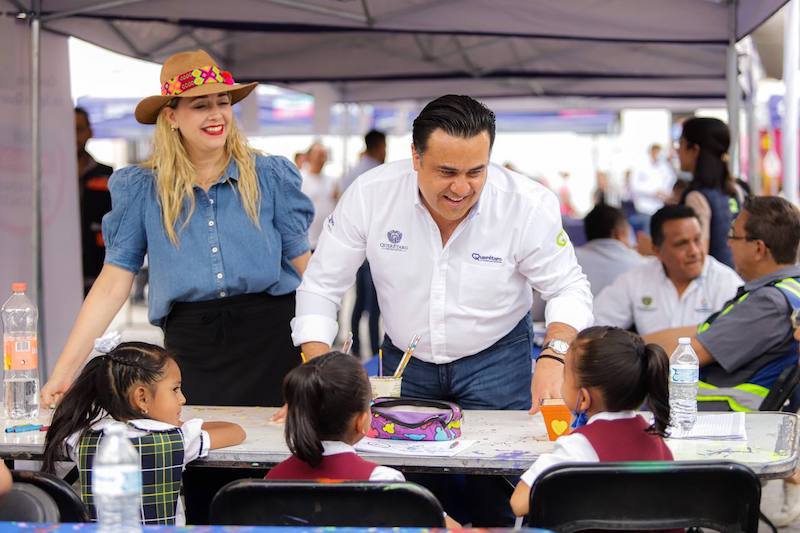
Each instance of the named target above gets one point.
<point>608,374</point>
<point>328,401</point>
<point>138,384</point>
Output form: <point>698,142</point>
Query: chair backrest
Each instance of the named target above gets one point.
<point>307,503</point>
<point>783,389</point>
<point>646,495</point>
<point>27,503</point>
<point>70,506</point>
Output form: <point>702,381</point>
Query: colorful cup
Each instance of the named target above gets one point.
<point>557,418</point>
<point>386,386</point>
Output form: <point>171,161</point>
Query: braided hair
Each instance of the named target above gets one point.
<point>101,389</point>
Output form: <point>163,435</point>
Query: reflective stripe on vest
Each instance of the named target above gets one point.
<point>745,397</point>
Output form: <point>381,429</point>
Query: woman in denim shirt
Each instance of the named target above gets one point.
<point>225,231</point>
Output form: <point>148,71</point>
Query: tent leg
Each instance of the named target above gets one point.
<point>733,92</point>
<point>36,171</point>
<point>791,57</point>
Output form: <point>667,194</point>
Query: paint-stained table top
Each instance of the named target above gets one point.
<point>508,442</point>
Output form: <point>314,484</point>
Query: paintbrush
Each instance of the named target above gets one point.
<point>406,356</point>
<point>348,343</point>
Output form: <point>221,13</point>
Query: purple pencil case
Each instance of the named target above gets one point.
<point>415,419</point>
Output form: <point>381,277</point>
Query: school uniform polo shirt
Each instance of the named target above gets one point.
<point>645,298</point>
<point>460,297</point>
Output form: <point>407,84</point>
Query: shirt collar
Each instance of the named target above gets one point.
<point>785,272</point>
<point>231,172</point>
<point>607,415</point>
<point>335,447</point>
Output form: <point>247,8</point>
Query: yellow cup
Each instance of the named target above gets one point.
<point>557,418</point>
<point>386,386</point>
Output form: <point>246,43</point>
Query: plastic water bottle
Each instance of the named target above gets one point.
<point>20,355</point>
<point>117,482</point>
<point>684,372</point>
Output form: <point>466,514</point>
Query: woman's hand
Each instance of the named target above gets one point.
<point>53,390</point>
<point>280,416</point>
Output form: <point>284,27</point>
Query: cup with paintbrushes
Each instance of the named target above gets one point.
<point>390,386</point>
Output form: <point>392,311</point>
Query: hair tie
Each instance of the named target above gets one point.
<point>107,342</point>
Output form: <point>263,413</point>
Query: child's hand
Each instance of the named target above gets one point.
<point>52,391</point>
<point>280,416</point>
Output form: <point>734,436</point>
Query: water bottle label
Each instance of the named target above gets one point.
<point>684,374</point>
<point>20,353</point>
<point>116,480</point>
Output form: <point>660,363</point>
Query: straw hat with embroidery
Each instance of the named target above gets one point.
<point>188,75</point>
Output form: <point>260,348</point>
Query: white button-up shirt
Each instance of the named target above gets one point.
<point>461,297</point>
<point>647,298</point>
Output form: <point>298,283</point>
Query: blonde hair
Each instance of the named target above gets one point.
<point>175,174</point>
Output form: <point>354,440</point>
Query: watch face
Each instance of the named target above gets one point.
<point>560,347</point>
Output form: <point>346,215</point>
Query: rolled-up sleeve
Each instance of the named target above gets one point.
<point>293,209</point>
<point>124,227</point>
<point>549,263</point>
<point>332,269</point>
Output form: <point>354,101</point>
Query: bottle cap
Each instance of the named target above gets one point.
<point>19,286</point>
<point>684,340</point>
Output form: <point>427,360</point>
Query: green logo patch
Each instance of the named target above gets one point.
<point>647,300</point>
<point>562,239</point>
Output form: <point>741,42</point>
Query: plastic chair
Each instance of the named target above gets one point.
<point>784,388</point>
<point>70,506</point>
<point>344,504</point>
<point>722,496</point>
<point>28,503</point>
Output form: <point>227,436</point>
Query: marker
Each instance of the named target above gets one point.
<point>380,362</point>
<point>24,428</point>
<point>303,357</point>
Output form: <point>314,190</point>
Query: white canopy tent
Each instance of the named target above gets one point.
<point>377,50</point>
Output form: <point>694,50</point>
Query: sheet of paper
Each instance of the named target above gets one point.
<point>718,426</point>
<point>443,448</point>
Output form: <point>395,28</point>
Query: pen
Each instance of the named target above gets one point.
<point>303,357</point>
<point>455,443</point>
<point>407,356</point>
<point>23,428</point>
<point>380,362</point>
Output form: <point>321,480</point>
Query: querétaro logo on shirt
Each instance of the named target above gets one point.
<point>394,237</point>
<point>486,258</point>
<point>330,222</point>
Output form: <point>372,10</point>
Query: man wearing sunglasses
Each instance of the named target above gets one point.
<point>746,344</point>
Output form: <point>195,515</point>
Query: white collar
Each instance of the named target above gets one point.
<point>143,424</point>
<point>608,415</point>
<point>335,447</point>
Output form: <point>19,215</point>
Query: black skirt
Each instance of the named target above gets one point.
<point>233,351</point>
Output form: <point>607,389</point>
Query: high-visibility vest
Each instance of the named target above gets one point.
<point>748,396</point>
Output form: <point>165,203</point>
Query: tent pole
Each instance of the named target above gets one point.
<point>733,92</point>
<point>791,57</point>
<point>753,141</point>
<point>36,171</point>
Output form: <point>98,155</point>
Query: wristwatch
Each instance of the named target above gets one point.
<point>557,346</point>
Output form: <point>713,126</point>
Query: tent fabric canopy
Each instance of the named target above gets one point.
<point>372,50</point>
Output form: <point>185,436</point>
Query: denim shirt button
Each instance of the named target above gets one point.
<point>214,250</point>
<point>210,222</point>
<point>219,275</point>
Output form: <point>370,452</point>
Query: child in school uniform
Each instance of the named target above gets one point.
<point>328,400</point>
<point>608,373</point>
<point>138,384</point>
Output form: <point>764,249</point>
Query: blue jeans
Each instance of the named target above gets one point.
<point>498,377</point>
<point>366,302</point>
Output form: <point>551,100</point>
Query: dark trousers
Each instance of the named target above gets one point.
<point>233,351</point>
<point>366,302</point>
<point>498,377</point>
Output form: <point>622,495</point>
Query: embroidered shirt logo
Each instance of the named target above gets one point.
<point>561,239</point>
<point>329,222</point>
<point>486,258</point>
<point>647,301</point>
<point>394,245</point>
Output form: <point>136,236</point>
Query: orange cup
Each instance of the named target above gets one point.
<point>557,418</point>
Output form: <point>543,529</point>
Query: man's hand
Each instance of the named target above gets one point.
<point>546,382</point>
<point>314,349</point>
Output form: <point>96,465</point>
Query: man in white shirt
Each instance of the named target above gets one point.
<point>652,184</point>
<point>680,286</point>
<point>608,252</point>
<point>455,245</point>
<point>319,187</point>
